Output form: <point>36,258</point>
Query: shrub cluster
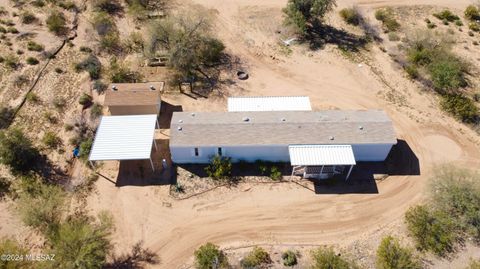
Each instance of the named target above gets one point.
<point>56,23</point>
<point>51,140</point>
<point>256,258</point>
<point>461,107</point>
<point>325,257</point>
<point>85,100</point>
<point>289,258</point>
<point>351,16</point>
<point>446,16</point>
<point>391,255</point>
<point>92,65</point>
<point>219,168</point>
<point>472,13</point>
<point>121,74</point>
<point>34,46</point>
<point>210,256</point>
<point>451,214</point>
<point>16,151</point>
<point>387,17</point>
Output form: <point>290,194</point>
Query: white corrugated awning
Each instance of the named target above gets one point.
<point>269,103</point>
<point>321,155</point>
<point>124,138</point>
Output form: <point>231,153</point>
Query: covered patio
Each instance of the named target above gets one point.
<point>321,161</point>
<point>124,138</point>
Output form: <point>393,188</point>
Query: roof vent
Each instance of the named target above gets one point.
<point>152,88</point>
<point>193,114</point>
<point>283,119</point>
<point>360,127</point>
<point>180,121</point>
<point>179,128</point>
<point>332,138</point>
<point>114,88</point>
<point>246,119</point>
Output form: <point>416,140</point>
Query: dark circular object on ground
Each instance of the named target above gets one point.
<point>242,75</point>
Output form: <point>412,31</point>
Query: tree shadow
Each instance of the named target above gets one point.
<point>318,35</point>
<point>138,258</point>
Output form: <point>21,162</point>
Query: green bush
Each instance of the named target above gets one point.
<point>219,168</point>
<point>446,15</point>
<point>109,6</point>
<point>325,257</point>
<point>85,49</point>
<point>85,148</point>
<point>457,192</point>
<point>121,74</point>
<point>387,17</point>
<point>38,3</point>
<point>289,258</point>
<point>32,61</point>
<point>16,151</point>
<point>12,30</point>
<point>458,23</point>
<point>96,111</point>
<point>391,255</point>
<point>461,107</point>
<point>472,13</point>
<point>412,71</point>
<point>27,17</point>
<point>85,100</point>
<point>256,258</point>
<point>447,73</point>
<point>51,140</point>
<point>432,230</point>
<point>67,5</point>
<point>351,16</point>
<point>59,103</point>
<point>474,26</point>
<point>11,61</point>
<point>209,256</point>
<point>10,246</point>
<point>56,23</point>
<point>431,25</point>
<point>34,46</point>
<point>111,42</point>
<point>275,173</point>
<point>92,65</point>
<point>301,13</point>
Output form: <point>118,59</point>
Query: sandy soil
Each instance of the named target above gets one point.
<point>283,214</point>
<point>289,214</point>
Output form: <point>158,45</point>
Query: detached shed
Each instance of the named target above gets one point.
<point>134,98</point>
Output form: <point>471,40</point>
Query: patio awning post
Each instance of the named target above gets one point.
<point>155,143</point>
<point>349,171</point>
<point>151,162</point>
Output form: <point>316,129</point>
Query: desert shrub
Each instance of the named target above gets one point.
<point>289,258</point>
<point>209,256</point>
<point>96,111</point>
<point>134,42</point>
<point>27,17</point>
<point>85,49</point>
<point>302,13</point>
<point>391,255</point>
<point>392,36</point>
<point>50,117</point>
<point>59,103</point>
<point>412,71</point>
<point>458,23</point>
<point>6,114</point>
<point>457,192</point>
<point>461,107</point>
<point>474,264</point>
<point>56,23</point>
<point>34,46</point>
<point>99,86</point>
<point>85,100</point>
<point>43,208</point>
<point>446,15</point>
<point>472,13</point>
<point>325,257</point>
<point>58,70</point>
<point>476,97</point>
<point>103,23</point>
<point>12,30</point>
<point>32,61</point>
<point>32,97</point>
<point>16,151</point>
<point>3,30</point>
<point>257,257</point>
<point>351,16</point>
<point>387,17</point>
<point>38,3</point>
<point>275,173</point>
<point>474,26</point>
<point>67,5</point>
<point>51,140</point>
<point>262,167</point>
<point>85,147</point>
<point>11,62</point>
<point>20,52</point>
<point>111,42</point>
<point>10,246</point>
<point>82,242</point>
<point>108,6</point>
<point>447,73</point>
<point>219,168</point>
<point>432,230</point>
<point>92,65</point>
<point>5,188</point>
<point>121,74</point>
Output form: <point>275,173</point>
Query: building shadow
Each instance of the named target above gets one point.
<point>140,173</point>
<point>401,161</point>
<point>166,113</point>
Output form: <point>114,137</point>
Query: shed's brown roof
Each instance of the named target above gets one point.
<point>281,128</point>
<point>133,94</point>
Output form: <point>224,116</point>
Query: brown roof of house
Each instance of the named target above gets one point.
<point>133,94</point>
<point>281,128</point>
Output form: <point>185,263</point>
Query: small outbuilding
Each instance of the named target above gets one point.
<point>134,98</point>
<point>124,138</point>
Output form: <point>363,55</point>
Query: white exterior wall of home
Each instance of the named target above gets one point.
<point>273,153</point>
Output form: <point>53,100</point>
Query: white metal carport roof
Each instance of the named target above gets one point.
<point>269,103</point>
<point>316,155</point>
<point>124,138</point>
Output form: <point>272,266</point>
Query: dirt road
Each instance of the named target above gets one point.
<point>286,213</point>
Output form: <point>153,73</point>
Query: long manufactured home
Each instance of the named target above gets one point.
<point>304,138</point>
